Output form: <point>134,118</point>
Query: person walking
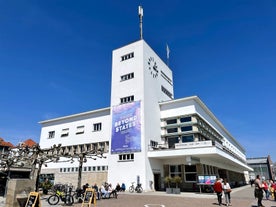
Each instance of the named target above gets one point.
<point>227,190</point>
<point>218,189</point>
<point>258,191</point>
<point>265,187</point>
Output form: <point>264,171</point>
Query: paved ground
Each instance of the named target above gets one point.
<point>241,197</point>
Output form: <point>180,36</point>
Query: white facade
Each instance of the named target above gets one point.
<point>169,133</point>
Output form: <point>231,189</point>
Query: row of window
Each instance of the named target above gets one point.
<point>79,130</point>
<point>84,169</point>
<point>183,129</point>
<point>164,90</point>
<point>190,172</point>
<point>127,76</point>
<point>71,149</point>
<point>126,157</point>
<point>182,120</point>
<point>127,56</point>
<point>127,99</point>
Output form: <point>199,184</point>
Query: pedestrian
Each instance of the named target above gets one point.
<point>218,189</point>
<point>227,190</point>
<point>273,189</point>
<point>265,187</point>
<point>258,191</point>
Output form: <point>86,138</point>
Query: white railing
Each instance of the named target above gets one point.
<point>193,144</point>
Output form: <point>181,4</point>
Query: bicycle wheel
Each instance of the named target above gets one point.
<point>139,189</point>
<point>131,189</point>
<point>68,200</point>
<point>78,197</point>
<point>53,200</point>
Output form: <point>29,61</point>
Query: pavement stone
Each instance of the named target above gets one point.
<point>240,197</point>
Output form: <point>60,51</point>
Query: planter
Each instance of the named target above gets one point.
<point>176,190</point>
<point>169,190</point>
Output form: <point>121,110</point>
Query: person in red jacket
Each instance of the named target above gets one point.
<point>218,189</point>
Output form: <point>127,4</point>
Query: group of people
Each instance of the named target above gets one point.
<point>106,189</point>
<point>267,188</point>
<point>264,187</point>
<point>221,186</point>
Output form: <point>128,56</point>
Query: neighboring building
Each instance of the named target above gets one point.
<point>4,146</point>
<point>146,134</point>
<point>14,170</point>
<point>262,166</point>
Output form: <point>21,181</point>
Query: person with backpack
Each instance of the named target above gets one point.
<point>218,189</point>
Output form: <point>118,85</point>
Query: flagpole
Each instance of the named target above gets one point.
<point>168,54</point>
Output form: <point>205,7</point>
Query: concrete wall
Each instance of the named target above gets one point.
<point>18,188</point>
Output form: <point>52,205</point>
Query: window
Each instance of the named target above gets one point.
<point>164,90</point>
<point>186,119</point>
<point>127,99</point>
<point>126,157</point>
<point>186,128</point>
<point>166,77</point>
<point>190,173</point>
<point>97,127</point>
<point>65,132</point>
<point>153,143</point>
<point>127,76</point>
<point>189,138</point>
<point>101,146</point>
<point>99,168</point>
<point>172,130</point>
<point>127,56</point>
<point>175,170</point>
<point>51,134</point>
<point>171,121</point>
<point>172,141</point>
<point>80,130</point>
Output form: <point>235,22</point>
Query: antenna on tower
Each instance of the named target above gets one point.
<point>140,12</point>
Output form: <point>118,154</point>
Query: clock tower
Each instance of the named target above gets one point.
<point>140,81</point>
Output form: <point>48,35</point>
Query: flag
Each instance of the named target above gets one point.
<point>168,51</point>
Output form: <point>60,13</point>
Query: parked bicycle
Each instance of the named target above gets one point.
<point>78,195</point>
<point>62,193</point>
<point>137,189</point>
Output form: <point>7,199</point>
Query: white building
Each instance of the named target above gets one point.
<point>146,134</point>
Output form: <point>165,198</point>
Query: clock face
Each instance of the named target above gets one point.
<point>153,67</point>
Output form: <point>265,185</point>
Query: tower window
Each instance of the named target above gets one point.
<point>51,134</point>
<point>80,130</point>
<point>97,127</point>
<point>164,90</point>
<point>127,99</point>
<point>127,76</point>
<point>65,132</point>
<point>127,56</point>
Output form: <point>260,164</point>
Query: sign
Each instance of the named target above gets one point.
<point>89,197</point>
<point>206,179</point>
<point>33,200</point>
<point>126,128</point>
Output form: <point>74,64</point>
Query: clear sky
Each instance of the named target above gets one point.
<point>55,60</point>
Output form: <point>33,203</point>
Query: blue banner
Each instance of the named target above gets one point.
<point>126,128</point>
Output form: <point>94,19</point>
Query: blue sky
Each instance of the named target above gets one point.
<point>55,60</point>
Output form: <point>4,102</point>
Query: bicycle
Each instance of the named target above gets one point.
<point>79,195</point>
<point>60,195</point>
<point>137,189</point>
